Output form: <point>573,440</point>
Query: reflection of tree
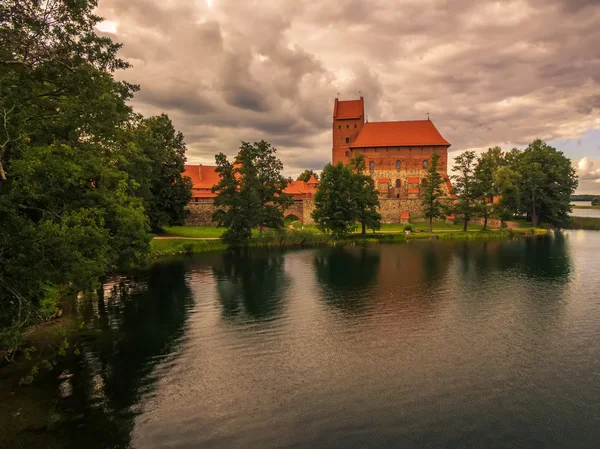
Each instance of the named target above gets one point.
<point>343,272</point>
<point>137,330</point>
<point>251,283</point>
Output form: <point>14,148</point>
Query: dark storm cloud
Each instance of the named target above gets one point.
<point>489,73</point>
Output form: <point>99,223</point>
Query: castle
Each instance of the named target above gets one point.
<point>397,154</point>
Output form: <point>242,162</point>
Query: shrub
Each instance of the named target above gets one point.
<point>408,227</point>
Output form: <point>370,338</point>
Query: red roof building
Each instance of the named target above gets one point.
<point>399,151</point>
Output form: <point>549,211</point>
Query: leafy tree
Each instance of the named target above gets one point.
<point>596,201</point>
<point>250,192</point>
<point>432,192</point>
<point>507,182</point>
<point>547,181</point>
<point>158,168</point>
<point>464,187</point>
<point>335,208</point>
<point>365,195</point>
<point>306,175</point>
<point>485,188</point>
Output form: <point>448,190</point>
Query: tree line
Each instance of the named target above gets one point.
<point>84,180</point>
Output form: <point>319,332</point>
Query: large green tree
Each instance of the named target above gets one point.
<point>507,182</point>
<point>365,195</point>
<point>250,192</point>
<point>485,189</point>
<point>432,192</point>
<point>157,165</point>
<point>547,181</point>
<point>464,186</point>
<point>335,209</point>
<point>71,209</point>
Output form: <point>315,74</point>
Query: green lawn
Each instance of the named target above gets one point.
<point>194,231</point>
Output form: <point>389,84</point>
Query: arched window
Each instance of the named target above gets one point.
<point>355,125</point>
<point>425,165</point>
<point>347,126</point>
<point>347,153</point>
<point>339,126</point>
<point>397,183</point>
<point>371,165</point>
<point>398,165</point>
<point>347,139</point>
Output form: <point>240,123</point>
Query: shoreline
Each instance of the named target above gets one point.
<point>178,245</point>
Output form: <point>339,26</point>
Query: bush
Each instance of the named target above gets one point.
<point>596,201</point>
<point>408,227</point>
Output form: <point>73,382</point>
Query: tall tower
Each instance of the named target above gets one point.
<point>348,120</point>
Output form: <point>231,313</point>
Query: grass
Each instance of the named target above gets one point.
<point>193,231</point>
<point>586,207</point>
<point>590,223</point>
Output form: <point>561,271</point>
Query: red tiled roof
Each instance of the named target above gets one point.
<point>383,180</point>
<point>202,176</point>
<point>348,109</point>
<point>396,134</point>
<point>312,181</point>
<point>413,179</point>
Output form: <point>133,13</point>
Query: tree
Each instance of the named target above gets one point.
<point>335,208</point>
<point>158,169</point>
<point>596,201</point>
<point>464,187</point>
<point>250,192</point>
<point>432,192</point>
<point>507,182</point>
<point>365,195</point>
<point>306,175</point>
<point>547,181</point>
<point>485,189</point>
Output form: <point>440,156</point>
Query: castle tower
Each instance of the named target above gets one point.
<point>348,120</point>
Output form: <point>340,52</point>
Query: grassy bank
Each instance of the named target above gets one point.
<point>304,239</point>
<point>590,223</point>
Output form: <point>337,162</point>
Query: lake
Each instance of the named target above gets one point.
<point>427,344</point>
<point>584,212</point>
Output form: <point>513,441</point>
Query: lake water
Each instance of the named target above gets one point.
<point>584,212</point>
<point>419,345</point>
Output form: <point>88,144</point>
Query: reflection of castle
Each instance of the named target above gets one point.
<point>397,153</point>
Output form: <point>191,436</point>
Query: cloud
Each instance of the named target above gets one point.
<point>586,171</point>
<point>489,73</point>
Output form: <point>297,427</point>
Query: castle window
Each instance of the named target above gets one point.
<point>425,164</point>
<point>347,153</point>
<point>355,125</point>
<point>339,126</point>
<point>398,165</point>
<point>347,126</point>
<point>371,165</point>
<point>397,183</point>
<point>347,139</point>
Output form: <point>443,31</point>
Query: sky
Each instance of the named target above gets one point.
<point>488,73</point>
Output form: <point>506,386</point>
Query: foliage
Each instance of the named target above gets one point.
<point>364,195</point>
<point>250,192</point>
<point>79,172</point>
<point>465,187</point>
<point>335,209</point>
<point>156,163</point>
<point>547,181</point>
<point>488,163</point>
<point>596,201</point>
<point>409,227</point>
<point>306,175</point>
<point>432,193</point>
<point>506,181</point>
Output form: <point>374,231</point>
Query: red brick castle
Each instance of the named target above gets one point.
<point>398,154</point>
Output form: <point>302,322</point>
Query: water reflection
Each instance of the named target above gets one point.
<point>251,284</point>
<point>135,324</point>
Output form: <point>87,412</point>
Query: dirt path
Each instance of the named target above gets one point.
<point>512,225</point>
<point>174,237</point>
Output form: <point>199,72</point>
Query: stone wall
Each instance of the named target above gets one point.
<point>200,214</point>
<point>308,207</point>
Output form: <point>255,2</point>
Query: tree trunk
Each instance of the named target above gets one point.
<point>430,224</point>
<point>465,223</point>
<point>485,219</point>
<point>534,217</point>
<point>364,229</point>
<point>260,231</point>
<point>2,172</point>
